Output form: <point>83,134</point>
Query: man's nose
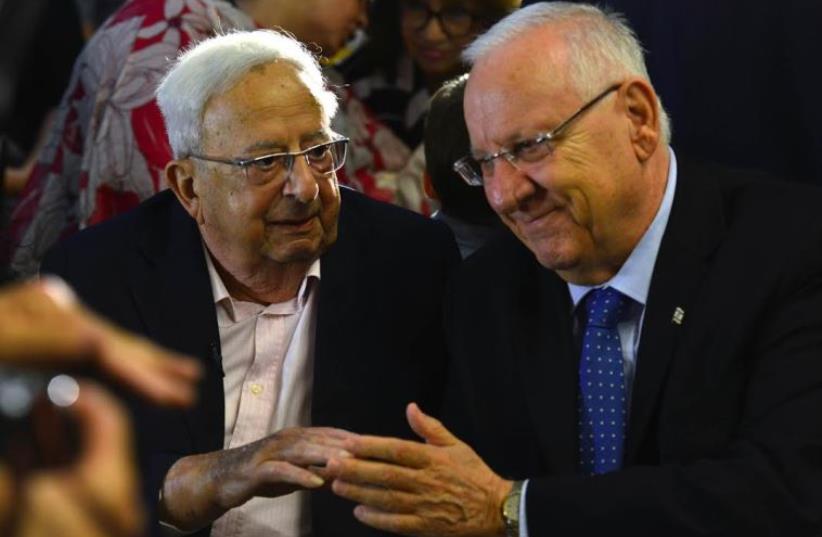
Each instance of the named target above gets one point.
<point>301,182</point>
<point>508,187</point>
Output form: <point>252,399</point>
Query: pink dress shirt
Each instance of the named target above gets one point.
<point>268,354</point>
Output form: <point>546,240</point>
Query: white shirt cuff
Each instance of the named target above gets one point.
<point>523,519</point>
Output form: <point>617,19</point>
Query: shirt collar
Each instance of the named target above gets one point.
<point>634,277</point>
<point>224,299</point>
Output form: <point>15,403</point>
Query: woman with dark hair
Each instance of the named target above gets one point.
<point>413,47</point>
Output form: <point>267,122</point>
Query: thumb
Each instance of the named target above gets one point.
<point>428,428</point>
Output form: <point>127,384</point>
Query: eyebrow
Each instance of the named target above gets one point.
<point>275,145</point>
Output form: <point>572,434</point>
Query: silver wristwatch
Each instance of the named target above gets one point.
<point>510,510</point>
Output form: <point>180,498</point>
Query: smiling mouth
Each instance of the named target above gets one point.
<point>541,216</point>
<point>539,220</point>
<point>295,224</point>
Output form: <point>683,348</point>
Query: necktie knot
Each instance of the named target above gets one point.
<point>604,307</point>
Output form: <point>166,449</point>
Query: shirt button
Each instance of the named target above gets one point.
<point>256,389</point>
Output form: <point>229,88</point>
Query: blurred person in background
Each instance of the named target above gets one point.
<point>39,41</point>
<point>462,207</point>
<point>415,46</point>
<point>93,13</point>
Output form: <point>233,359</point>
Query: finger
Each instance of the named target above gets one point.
<point>403,524</point>
<point>38,331</point>
<point>332,432</point>
<point>161,376</point>
<point>393,450</point>
<point>325,436</point>
<point>392,501</point>
<point>7,497</point>
<point>307,454</point>
<point>374,473</point>
<point>103,425</point>
<point>50,508</point>
<point>58,291</point>
<point>47,327</point>
<point>306,446</point>
<point>104,478</point>
<point>321,435</point>
<point>428,428</point>
<point>277,473</point>
<point>322,471</point>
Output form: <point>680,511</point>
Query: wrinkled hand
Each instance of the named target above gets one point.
<point>95,497</point>
<point>45,326</point>
<point>441,488</point>
<point>200,488</point>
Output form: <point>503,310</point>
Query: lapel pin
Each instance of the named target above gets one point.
<point>679,314</point>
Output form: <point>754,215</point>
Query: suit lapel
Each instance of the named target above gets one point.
<point>173,294</point>
<point>546,363</point>
<point>694,229</point>
<point>338,315</point>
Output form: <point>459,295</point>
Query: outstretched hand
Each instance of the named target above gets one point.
<point>439,488</point>
<point>45,326</point>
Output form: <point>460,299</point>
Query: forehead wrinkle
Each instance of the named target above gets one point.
<point>483,106</point>
<point>275,90</point>
<point>519,75</point>
<point>256,112</point>
<point>282,112</point>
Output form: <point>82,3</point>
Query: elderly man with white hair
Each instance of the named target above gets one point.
<point>315,311</point>
<point>645,356</point>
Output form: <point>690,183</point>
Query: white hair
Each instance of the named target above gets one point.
<point>602,47</point>
<point>215,65</point>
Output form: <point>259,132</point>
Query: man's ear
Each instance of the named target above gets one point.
<point>180,178</point>
<point>642,110</point>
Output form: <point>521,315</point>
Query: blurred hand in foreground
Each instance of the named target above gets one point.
<point>45,326</point>
<point>96,496</point>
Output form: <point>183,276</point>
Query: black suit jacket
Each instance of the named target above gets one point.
<point>725,428</point>
<point>378,343</point>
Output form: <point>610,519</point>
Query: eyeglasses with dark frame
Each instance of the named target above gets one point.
<point>454,21</point>
<point>322,159</point>
<point>473,170</point>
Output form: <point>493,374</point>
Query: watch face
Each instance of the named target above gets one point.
<point>510,508</point>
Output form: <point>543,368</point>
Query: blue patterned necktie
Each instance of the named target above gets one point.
<point>602,406</point>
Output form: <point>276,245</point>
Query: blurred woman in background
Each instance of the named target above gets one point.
<point>413,47</point>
